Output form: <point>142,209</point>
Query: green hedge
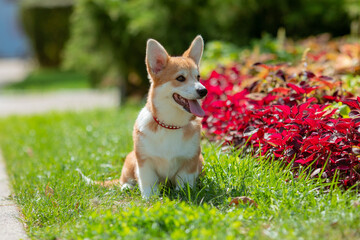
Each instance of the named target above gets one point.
<point>108,37</point>
<point>47,26</point>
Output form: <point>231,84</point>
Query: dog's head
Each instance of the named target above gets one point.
<point>176,79</point>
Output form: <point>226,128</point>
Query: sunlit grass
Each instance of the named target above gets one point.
<point>42,153</point>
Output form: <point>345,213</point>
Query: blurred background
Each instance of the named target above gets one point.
<point>95,49</point>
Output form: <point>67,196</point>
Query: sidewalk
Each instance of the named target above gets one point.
<point>74,100</point>
<point>13,70</point>
<point>10,226</point>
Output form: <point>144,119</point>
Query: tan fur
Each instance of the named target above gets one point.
<point>173,66</point>
<point>153,126</point>
<point>149,103</point>
<point>138,158</point>
<point>109,183</point>
<point>128,171</point>
<point>190,129</point>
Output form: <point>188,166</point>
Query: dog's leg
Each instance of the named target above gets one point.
<point>148,181</point>
<point>189,172</point>
<point>128,176</point>
<point>183,177</point>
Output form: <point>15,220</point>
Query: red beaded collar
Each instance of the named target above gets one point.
<point>164,125</point>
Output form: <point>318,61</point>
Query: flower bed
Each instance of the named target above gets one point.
<point>299,116</point>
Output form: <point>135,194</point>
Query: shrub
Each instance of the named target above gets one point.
<point>47,26</point>
<point>109,36</point>
<point>299,117</point>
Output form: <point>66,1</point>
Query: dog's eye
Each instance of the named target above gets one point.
<point>198,77</point>
<point>180,78</point>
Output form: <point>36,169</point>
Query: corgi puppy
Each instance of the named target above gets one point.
<point>167,130</point>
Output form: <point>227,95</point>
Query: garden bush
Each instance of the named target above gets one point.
<point>46,24</point>
<point>108,37</point>
<point>293,113</point>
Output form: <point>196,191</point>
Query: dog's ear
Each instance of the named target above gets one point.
<point>156,57</point>
<point>195,50</point>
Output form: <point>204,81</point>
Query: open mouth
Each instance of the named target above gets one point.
<point>190,105</point>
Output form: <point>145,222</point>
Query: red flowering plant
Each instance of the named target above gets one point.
<point>294,117</point>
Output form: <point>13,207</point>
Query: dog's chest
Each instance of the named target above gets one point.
<point>168,150</point>
<point>169,144</point>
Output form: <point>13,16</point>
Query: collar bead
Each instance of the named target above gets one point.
<point>172,127</point>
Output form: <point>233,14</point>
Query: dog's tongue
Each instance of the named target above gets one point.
<point>195,108</point>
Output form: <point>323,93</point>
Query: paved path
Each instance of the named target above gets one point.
<point>22,104</point>
<point>10,226</point>
<point>13,70</point>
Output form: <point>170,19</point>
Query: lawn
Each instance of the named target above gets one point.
<point>49,80</point>
<point>42,153</point>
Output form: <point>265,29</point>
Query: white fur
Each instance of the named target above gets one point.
<point>164,151</point>
<point>126,186</point>
<point>148,180</point>
<point>86,179</point>
<point>167,145</point>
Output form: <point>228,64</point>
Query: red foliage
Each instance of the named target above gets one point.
<point>289,118</point>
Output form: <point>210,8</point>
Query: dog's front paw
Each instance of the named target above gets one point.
<point>126,186</point>
<point>148,192</point>
<point>183,179</point>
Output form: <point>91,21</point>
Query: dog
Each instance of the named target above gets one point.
<point>167,130</point>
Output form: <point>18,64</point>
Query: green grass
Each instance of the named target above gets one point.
<point>49,80</point>
<point>42,153</point>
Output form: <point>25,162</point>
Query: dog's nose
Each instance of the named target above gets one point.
<point>202,92</point>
